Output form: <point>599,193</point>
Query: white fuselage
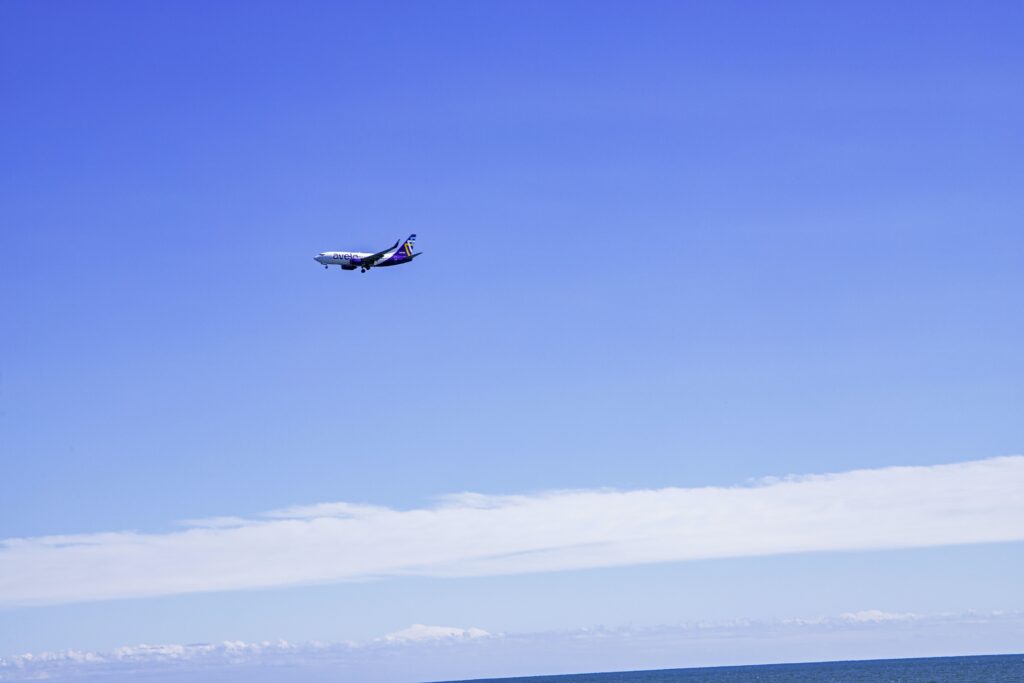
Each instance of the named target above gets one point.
<point>342,258</point>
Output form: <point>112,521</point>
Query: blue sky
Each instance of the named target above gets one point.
<point>665,246</point>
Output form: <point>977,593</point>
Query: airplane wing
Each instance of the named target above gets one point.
<point>370,260</point>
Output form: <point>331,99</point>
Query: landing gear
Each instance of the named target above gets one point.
<point>363,270</point>
<point>325,267</point>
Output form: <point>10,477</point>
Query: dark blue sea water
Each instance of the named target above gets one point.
<point>987,669</point>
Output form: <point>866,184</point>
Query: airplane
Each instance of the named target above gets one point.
<point>350,260</point>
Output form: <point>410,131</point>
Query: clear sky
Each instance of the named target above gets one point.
<point>666,245</point>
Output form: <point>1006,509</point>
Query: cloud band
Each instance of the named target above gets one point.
<point>474,535</point>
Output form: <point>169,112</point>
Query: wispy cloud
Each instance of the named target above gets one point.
<point>422,632</point>
<point>473,535</point>
<point>444,653</point>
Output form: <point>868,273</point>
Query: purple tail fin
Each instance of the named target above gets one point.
<point>407,246</point>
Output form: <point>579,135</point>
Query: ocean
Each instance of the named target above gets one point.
<point>982,669</point>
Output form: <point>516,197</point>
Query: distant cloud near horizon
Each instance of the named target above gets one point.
<point>423,652</point>
<point>475,535</point>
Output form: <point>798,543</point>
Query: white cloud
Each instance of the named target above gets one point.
<point>474,535</point>
<point>876,616</point>
<point>448,653</point>
<point>421,632</point>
